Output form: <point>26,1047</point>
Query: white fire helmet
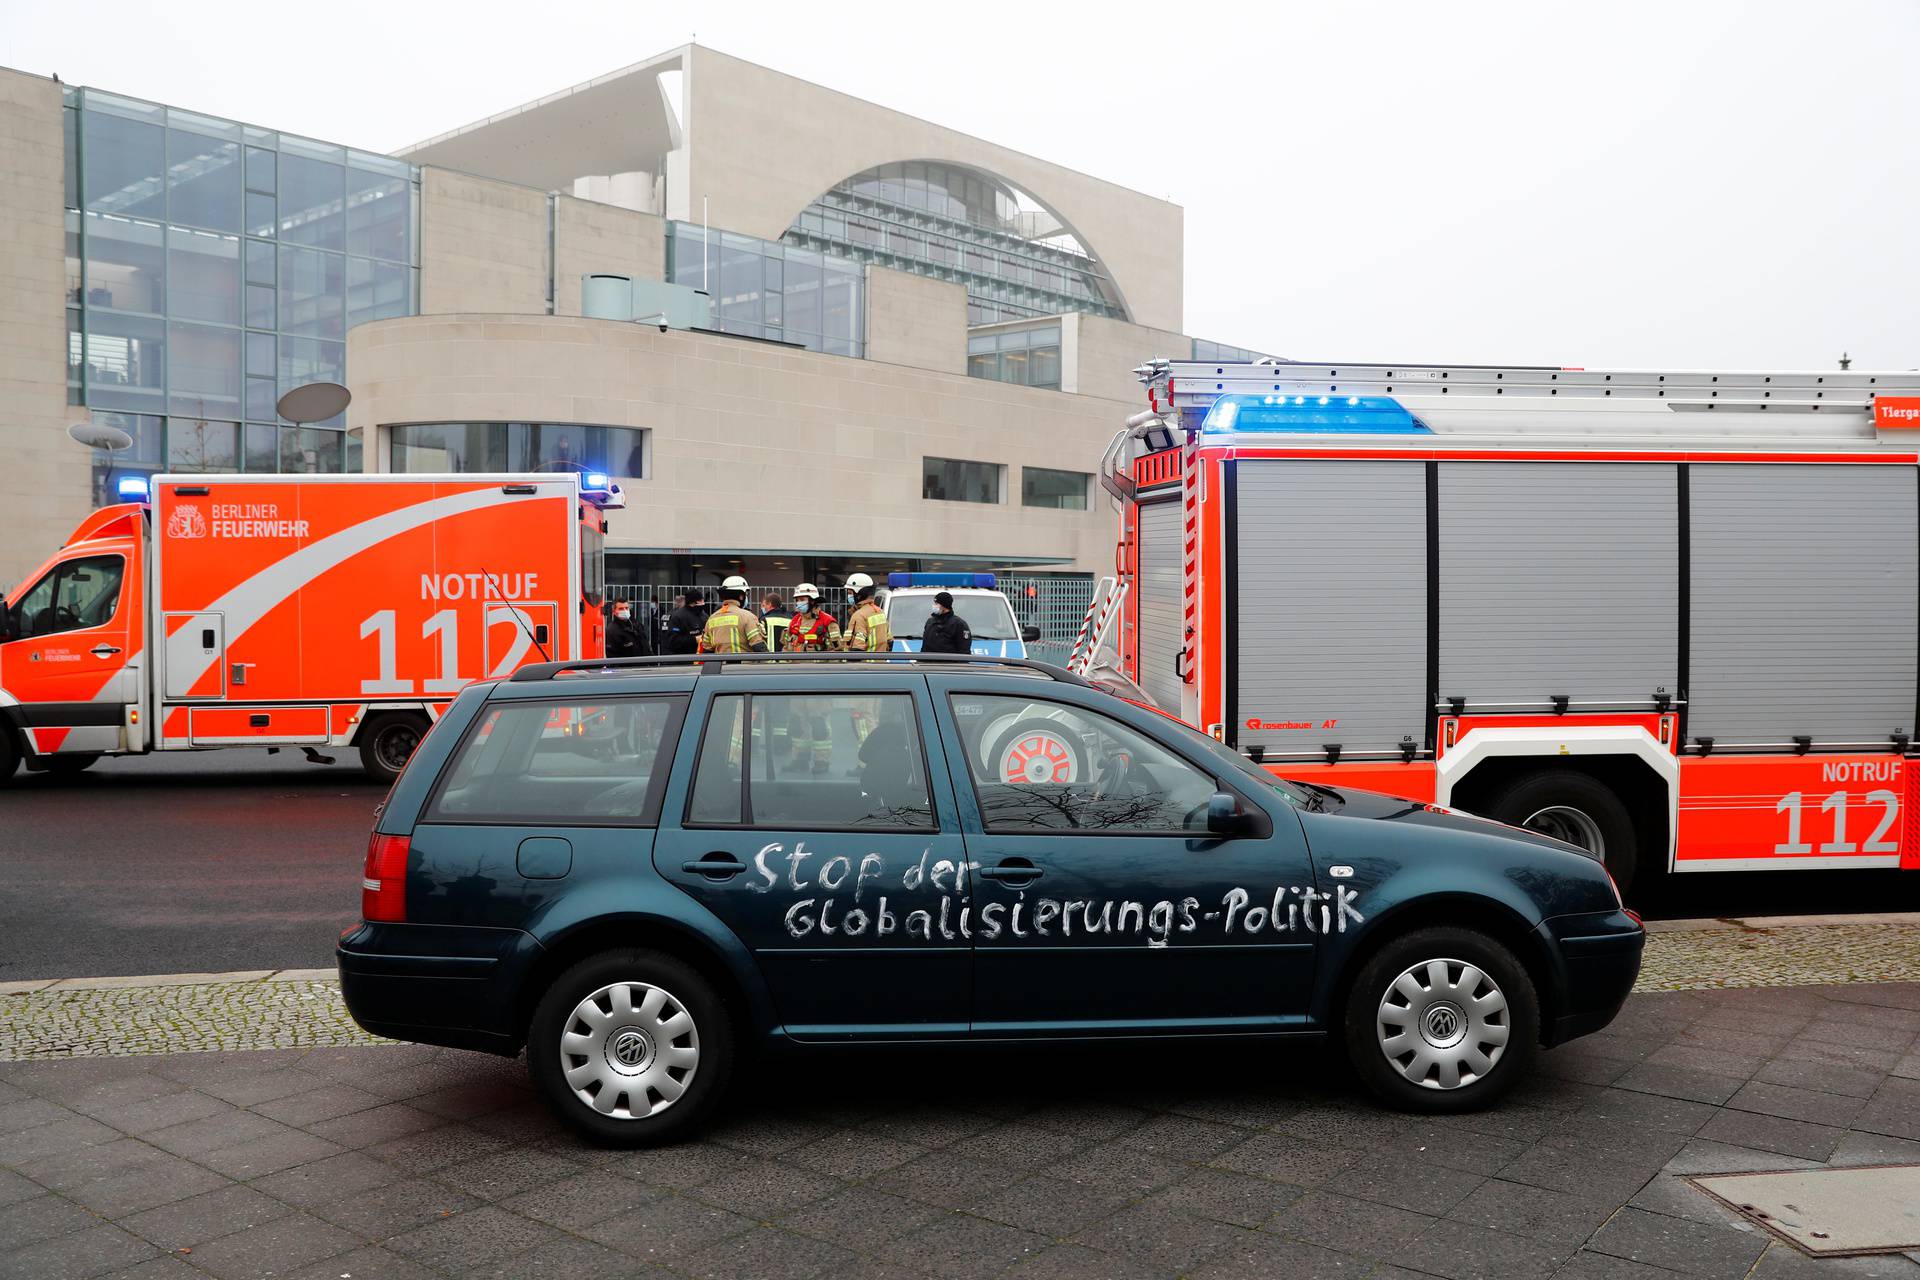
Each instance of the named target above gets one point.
<point>735,583</point>
<point>806,590</point>
<point>858,582</point>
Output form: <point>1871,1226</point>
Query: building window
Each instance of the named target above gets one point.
<point>1061,490</point>
<point>956,480</point>
<point>212,267</point>
<point>765,289</point>
<point>1024,357</point>
<point>438,447</point>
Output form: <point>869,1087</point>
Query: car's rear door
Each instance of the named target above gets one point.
<point>1102,905</point>
<point>818,824</point>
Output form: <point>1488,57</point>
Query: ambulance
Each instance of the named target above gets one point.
<point>283,611</point>
<point>1668,616</point>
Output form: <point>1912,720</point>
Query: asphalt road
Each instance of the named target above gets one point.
<point>181,864</point>
<point>233,860</point>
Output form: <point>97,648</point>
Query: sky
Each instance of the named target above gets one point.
<point>1635,184</point>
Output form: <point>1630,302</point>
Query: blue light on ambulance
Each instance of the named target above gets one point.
<point>132,488</point>
<point>597,481</point>
<point>985,581</point>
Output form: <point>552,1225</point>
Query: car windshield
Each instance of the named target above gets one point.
<point>988,617</point>
<point>1219,751</point>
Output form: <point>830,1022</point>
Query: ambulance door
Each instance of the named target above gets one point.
<point>75,638</point>
<point>196,655</point>
<point>519,632</point>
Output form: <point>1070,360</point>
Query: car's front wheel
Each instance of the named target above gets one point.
<point>632,1048</point>
<point>1442,1019</point>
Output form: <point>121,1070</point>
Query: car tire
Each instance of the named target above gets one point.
<point>1424,1029</point>
<point>71,765</point>
<point>638,1050</point>
<point>1037,750</point>
<point>1578,808</point>
<point>388,742</point>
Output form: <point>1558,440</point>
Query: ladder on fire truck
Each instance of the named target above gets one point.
<point>1109,594</point>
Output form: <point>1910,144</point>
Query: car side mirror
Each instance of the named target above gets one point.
<point>1225,817</point>
<point>1029,634</point>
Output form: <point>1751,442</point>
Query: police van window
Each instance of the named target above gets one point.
<point>561,764</point>
<point>988,617</point>
<point>825,762</point>
<point>1047,766</point>
<point>72,596</point>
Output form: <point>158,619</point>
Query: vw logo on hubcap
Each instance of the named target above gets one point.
<point>1443,1024</point>
<point>631,1048</point>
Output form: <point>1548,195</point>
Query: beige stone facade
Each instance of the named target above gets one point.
<point>483,245</point>
<point>44,475</point>
<point>915,321</point>
<point>755,447</point>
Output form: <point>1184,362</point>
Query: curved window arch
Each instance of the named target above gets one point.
<point>1015,256</point>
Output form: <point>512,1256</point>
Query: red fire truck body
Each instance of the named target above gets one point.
<point>1669,616</point>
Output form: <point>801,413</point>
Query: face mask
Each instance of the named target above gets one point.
<point>622,614</point>
<point>802,606</point>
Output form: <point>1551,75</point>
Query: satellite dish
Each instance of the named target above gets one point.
<point>315,402</point>
<point>98,435</point>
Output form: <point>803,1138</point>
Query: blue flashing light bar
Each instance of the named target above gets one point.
<point>596,481</point>
<point>985,581</point>
<point>132,489</point>
<point>1312,414</point>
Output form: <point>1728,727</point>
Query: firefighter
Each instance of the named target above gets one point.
<point>731,628</point>
<point>812,629</point>
<point>867,629</point>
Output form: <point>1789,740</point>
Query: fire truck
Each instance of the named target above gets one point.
<point>1668,616</point>
<point>289,611</point>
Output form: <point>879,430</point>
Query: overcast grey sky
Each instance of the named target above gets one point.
<point>1674,184</point>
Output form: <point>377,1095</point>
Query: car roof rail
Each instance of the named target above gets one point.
<point>721,661</point>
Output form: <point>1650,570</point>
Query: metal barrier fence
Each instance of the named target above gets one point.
<point>1054,602</point>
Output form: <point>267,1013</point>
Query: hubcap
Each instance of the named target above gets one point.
<point>396,746</point>
<point>1443,1024</point>
<point>1573,826</point>
<point>629,1050</point>
<point>1039,758</point>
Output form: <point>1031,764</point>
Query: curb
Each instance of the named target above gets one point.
<point>167,980</point>
<point>1765,924</point>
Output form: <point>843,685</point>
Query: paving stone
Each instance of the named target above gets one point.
<point>764,1190</point>
<point>1183,1137</point>
<point>1078,1262</point>
<point>1261,1256</point>
<point>208,1216</point>
<point>14,1188</point>
<point>1590,1174</point>
<point>1588,1265</point>
<point>1019,1145</point>
<point>962,1247</point>
<point>148,1179</point>
<point>1237,1198</point>
<point>1791,1103</point>
<point>1093,1121</point>
<point>465,1241</point>
<point>371,1262</point>
<point>1703,1156</point>
<point>668,1230</point>
<point>1286,1159</point>
<point>382,1212</point>
<point>862,1217</point>
<point>944,1178</point>
<point>1677,1197</point>
<point>91,1252</point>
<point>583,1199</point>
<point>1055,1207</point>
<point>261,1156</point>
<point>1829,1077</point>
<point>687,1165</point>
<point>767,1253</point>
<point>1339,1222</point>
<point>1648,1111</point>
<point>1460,1251</point>
<point>223,1129</point>
<point>507,1173</point>
<point>164,1111</point>
<point>1782,1261</point>
<point>1160,1235</point>
<point>1677,1244</point>
<point>566,1257</point>
<point>1875,1148</point>
<point>278,1246</point>
<point>856,1153</point>
<point>56,1137</point>
<point>1118,1165</point>
<point>379,1124</point>
<point>28,1222</point>
<point>1418,1185</point>
<point>1681,1082</point>
<point>432,1149</point>
<point>1556,1217</point>
<point>763,1133</point>
<point>328,1179</point>
<point>1772,1133</point>
<point>1894,1110</point>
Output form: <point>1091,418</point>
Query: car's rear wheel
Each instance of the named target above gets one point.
<point>632,1048</point>
<point>388,742</point>
<point>1442,1019</point>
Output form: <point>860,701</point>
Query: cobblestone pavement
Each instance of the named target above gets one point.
<point>302,1009</point>
<point>1214,1162</point>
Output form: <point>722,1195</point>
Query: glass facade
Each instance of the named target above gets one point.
<point>1205,350</point>
<point>957,480</point>
<point>767,289</point>
<point>958,224</point>
<point>1061,490</point>
<point>621,452</point>
<point>1024,357</point>
<point>212,267</point>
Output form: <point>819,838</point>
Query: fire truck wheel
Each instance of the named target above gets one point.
<point>1441,1020</point>
<point>632,1048</point>
<point>1572,806</point>
<point>66,766</point>
<point>388,742</point>
<point>1037,751</point>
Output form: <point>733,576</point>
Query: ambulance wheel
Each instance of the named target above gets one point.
<point>9,754</point>
<point>632,1048</point>
<point>1037,751</point>
<point>1577,808</point>
<point>388,742</point>
<point>66,766</point>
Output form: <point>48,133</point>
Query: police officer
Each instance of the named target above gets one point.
<point>626,638</point>
<point>946,631</point>
<point>684,625</point>
<point>867,629</point>
<point>811,629</point>
<point>732,628</point>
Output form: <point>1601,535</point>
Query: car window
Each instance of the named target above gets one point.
<point>1048,766</point>
<point>988,617</point>
<point>828,761</point>
<point>561,763</point>
<point>71,596</point>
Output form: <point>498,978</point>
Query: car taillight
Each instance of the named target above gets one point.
<point>383,881</point>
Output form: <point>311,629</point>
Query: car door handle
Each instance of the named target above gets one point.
<point>1014,871</point>
<point>716,866</point>
<point>103,650</point>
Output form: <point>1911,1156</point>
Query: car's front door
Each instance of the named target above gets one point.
<point>819,826</point>
<point>1102,904</point>
<point>70,664</point>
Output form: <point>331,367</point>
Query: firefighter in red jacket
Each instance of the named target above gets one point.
<point>811,629</point>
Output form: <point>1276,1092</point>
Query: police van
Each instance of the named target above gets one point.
<point>976,598</point>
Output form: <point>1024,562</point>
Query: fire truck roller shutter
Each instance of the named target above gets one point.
<point>1558,578</point>
<point>1803,585</point>
<point>1332,597</point>
<point>1161,615</point>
